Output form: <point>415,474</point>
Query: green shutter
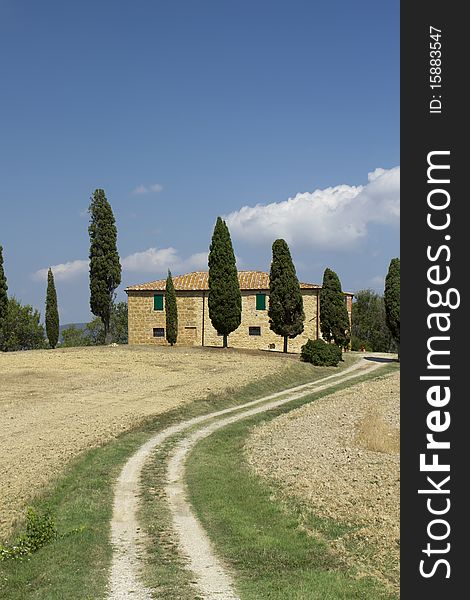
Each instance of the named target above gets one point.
<point>260,301</point>
<point>158,302</point>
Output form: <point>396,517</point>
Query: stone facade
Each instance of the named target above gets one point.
<point>147,316</point>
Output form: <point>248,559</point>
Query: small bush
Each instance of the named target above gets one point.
<point>40,530</point>
<point>321,354</point>
<point>21,328</point>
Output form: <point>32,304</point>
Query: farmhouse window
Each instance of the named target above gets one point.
<point>158,302</point>
<point>254,330</point>
<point>158,332</point>
<point>260,301</point>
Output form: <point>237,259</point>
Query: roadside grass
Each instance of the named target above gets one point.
<point>275,548</point>
<point>76,566</point>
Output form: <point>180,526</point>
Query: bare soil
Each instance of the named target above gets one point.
<point>54,404</point>
<point>339,457</point>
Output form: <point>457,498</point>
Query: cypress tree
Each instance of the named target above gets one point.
<point>105,268</point>
<point>3,291</point>
<point>171,311</point>
<point>225,300</point>
<point>52,313</point>
<point>286,308</point>
<point>334,318</point>
<point>392,299</point>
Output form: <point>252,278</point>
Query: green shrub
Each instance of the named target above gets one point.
<point>74,336</point>
<point>40,530</point>
<point>321,354</point>
<point>21,328</point>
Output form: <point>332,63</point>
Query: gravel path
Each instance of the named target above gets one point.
<point>125,533</point>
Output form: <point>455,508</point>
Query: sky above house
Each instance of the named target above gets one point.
<point>280,116</point>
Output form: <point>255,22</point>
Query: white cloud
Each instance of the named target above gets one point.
<point>156,261</point>
<point>196,262</point>
<point>64,271</point>
<point>334,217</point>
<point>152,260</point>
<point>147,189</point>
<point>378,281</point>
<point>140,189</point>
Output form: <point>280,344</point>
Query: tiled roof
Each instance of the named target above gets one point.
<point>249,280</point>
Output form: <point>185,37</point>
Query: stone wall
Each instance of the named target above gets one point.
<point>195,327</point>
<point>251,317</point>
<point>143,318</point>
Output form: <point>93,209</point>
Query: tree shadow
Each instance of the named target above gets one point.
<point>381,359</point>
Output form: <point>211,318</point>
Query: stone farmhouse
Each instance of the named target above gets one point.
<point>146,309</point>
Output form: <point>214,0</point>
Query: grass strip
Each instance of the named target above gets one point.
<point>164,569</point>
<point>263,541</point>
<point>76,567</point>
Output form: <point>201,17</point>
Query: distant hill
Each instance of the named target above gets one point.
<point>77,325</point>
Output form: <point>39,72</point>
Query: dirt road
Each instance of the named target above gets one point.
<point>213,581</point>
<point>54,404</point>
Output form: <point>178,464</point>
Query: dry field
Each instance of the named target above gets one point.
<point>339,456</point>
<point>55,404</point>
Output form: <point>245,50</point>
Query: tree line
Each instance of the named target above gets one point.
<point>376,320</point>
<point>376,317</point>
<point>20,326</point>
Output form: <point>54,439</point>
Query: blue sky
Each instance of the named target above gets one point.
<point>186,110</point>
